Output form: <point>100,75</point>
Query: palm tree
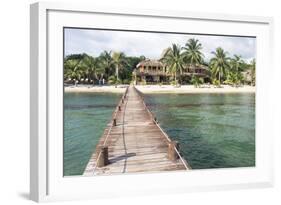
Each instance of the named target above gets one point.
<point>236,66</point>
<point>173,59</point>
<point>119,60</point>
<point>90,65</point>
<point>192,53</point>
<point>220,63</point>
<point>73,69</point>
<point>237,63</point>
<point>196,81</point>
<point>106,62</point>
<point>253,72</point>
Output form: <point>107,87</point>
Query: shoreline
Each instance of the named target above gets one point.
<point>95,89</point>
<point>157,89</point>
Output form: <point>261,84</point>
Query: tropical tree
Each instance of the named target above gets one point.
<point>219,64</point>
<point>234,76</point>
<point>236,63</point>
<point>72,70</point>
<point>142,57</point>
<point>197,81</point>
<point>192,52</point>
<point>119,60</point>
<point>90,66</point>
<point>253,72</point>
<point>106,62</point>
<point>173,59</point>
<point>112,80</point>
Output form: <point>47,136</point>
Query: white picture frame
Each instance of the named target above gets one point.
<point>46,23</point>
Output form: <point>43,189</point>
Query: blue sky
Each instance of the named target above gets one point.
<point>151,45</point>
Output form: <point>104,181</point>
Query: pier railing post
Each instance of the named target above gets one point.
<point>103,158</point>
<point>114,122</point>
<point>172,154</point>
<point>155,120</point>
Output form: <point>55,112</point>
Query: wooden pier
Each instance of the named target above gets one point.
<point>133,141</point>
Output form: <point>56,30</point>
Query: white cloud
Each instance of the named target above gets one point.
<point>151,45</point>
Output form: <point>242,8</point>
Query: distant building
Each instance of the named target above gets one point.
<point>247,75</point>
<point>154,71</point>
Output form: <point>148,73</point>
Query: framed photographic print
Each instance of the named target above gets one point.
<point>127,102</point>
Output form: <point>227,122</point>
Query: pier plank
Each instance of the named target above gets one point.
<point>136,143</point>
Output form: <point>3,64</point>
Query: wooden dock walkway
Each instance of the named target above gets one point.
<point>133,141</point>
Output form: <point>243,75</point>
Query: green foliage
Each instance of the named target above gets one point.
<point>88,69</point>
<point>216,83</point>
<point>219,64</point>
<point>192,52</point>
<point>253,72</point>
<point>116,67</point>
<point>73,70</point>
<point>119,60</point>
<point>126,81</point>
<point>228,70</point>
<point>173,58</point>
<point>174,82</point>
<point>75,56</point>
<point>197,81</point>
<point>112,80</point>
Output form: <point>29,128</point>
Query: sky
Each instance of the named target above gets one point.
<point>151,45</point>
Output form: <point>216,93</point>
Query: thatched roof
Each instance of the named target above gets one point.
<point>149,62</point>
<point>196,67</point>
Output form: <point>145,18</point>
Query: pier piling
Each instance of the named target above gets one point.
<point>172,153</point>
<point>137,144</point>
<point>103,158</point>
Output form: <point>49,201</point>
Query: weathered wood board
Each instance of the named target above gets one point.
<point>136,143</point>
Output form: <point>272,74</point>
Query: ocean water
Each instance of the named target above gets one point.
<point>85,118</point>
<point>214,130</point>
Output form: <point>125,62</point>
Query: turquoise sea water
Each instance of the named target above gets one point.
<point>214,130</point>
<point>85,117</point>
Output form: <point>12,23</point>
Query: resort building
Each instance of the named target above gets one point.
<point>247,75</point>
<point>154,71</point>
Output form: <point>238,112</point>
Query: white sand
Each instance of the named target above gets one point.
<point>163,89</point>
<point>97,89</point>
<point>192,89</point>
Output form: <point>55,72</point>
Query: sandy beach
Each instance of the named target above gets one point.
<point>96,89</point>
<point>163,89</point>
<point>192,89</point>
